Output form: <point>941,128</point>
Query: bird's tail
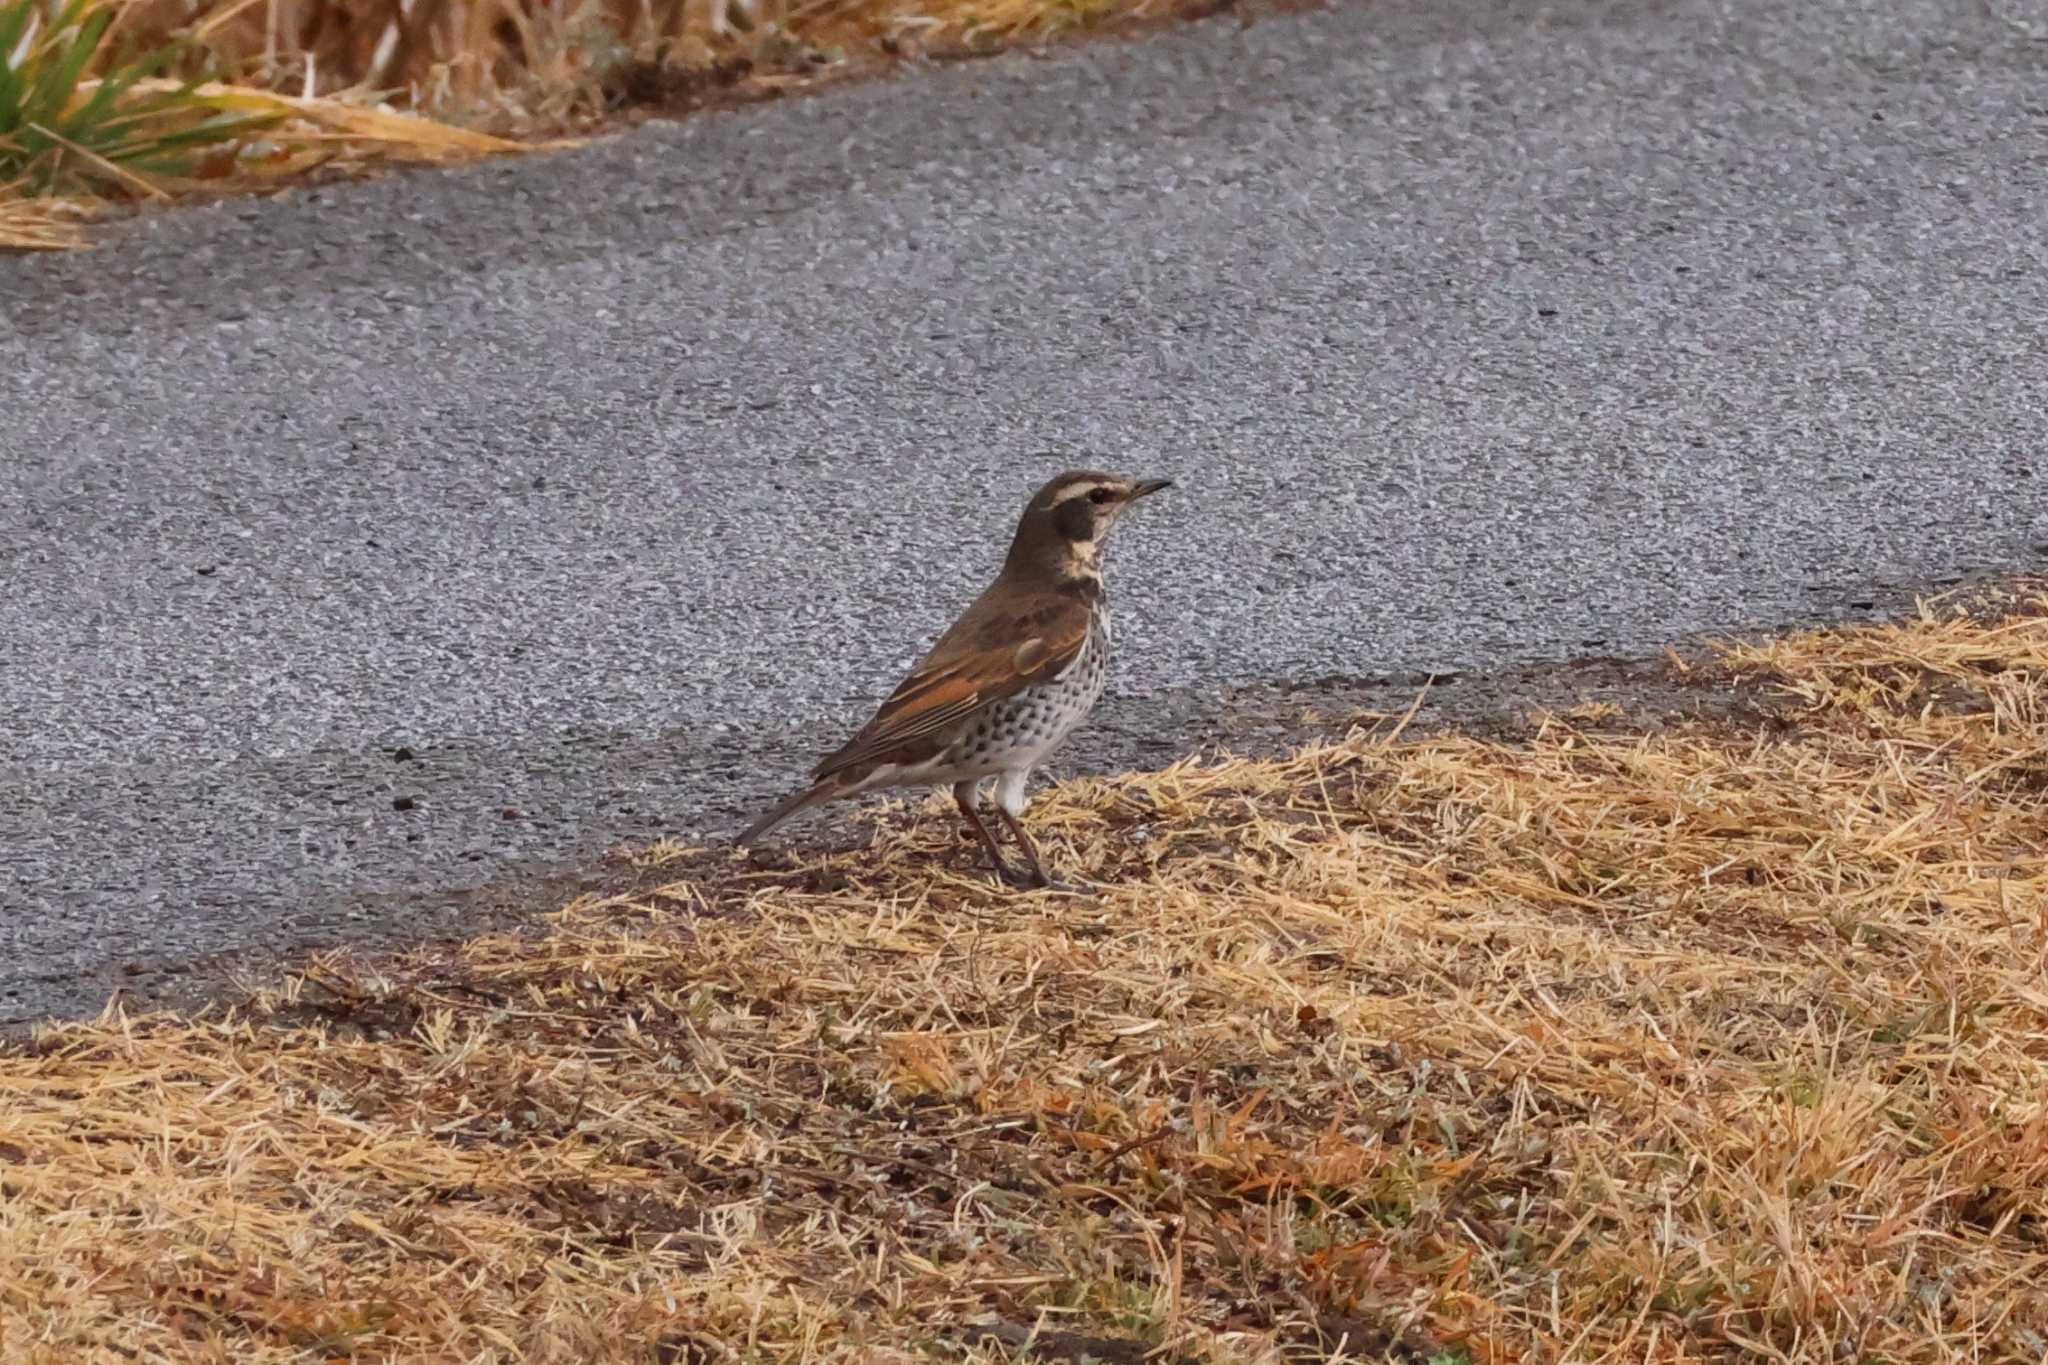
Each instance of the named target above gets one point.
<point>803,800</point>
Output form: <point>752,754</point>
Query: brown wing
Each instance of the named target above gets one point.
<point>1002,644</point>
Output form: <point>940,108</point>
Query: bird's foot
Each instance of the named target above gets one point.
<point>1035,879</point>
<point>1016,878</point>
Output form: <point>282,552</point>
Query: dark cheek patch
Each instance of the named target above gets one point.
<point>1075,519</point>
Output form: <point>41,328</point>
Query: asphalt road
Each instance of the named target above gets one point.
<point>613,484</point>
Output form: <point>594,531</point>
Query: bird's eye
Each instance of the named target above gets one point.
<point>1099,496</point>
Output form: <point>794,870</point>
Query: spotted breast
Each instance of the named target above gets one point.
<point>1016,733</point>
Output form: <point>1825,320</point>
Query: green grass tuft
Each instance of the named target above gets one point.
<point>78,115</point>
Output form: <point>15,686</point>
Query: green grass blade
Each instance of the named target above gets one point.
<point>54,126</point>
<point>14,22</point>
<point>56,81</point>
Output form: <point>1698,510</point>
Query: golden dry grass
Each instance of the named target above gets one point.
<point>31,224</point>
<point>304,135</point>
<point>1705,1043</point>
<point>520,64</point>
<point>494,76</point>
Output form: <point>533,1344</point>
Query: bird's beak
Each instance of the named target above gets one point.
<point>1145,488</point>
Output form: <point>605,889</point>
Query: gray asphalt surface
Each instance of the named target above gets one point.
<point>615,484</point>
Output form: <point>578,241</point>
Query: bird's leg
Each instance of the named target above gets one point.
<point>1009,803</point>
<point>1038,877</point>
<point>965,795</point>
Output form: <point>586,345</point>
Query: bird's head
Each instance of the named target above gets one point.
<point>1063,528</point>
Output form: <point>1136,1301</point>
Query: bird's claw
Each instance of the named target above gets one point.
<point>1034,879</point>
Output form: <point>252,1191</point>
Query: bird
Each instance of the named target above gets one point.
<point>1017,672</point>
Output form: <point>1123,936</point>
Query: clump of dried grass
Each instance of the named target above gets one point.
<point>89,117</point>
<point>39,224</point>
<point>294,137</point>
<point>508,64</point>
<point>340,76</point>
<point>1688,1044</point>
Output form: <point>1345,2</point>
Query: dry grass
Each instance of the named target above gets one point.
<point>301,136</point>
<point>29,224</point>
<point>523,63</point>
<point>93,112</point>
<point>341,74</point>
<point>1678,1045</point>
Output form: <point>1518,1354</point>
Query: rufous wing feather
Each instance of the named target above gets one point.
<point>1004,643</point>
